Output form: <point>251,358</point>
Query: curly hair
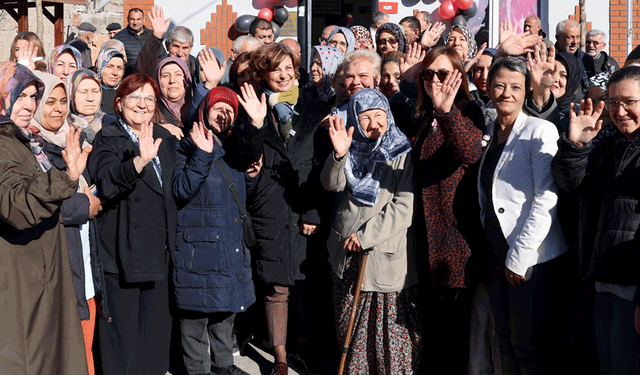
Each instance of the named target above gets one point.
<point>268,57</point>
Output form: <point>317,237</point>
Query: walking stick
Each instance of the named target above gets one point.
<point>352,316</point>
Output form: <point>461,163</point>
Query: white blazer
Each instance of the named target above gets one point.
<point>525,195</point>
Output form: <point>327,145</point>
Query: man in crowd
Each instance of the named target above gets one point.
<point>425,20</point>
<point>378,19</point>
<point>262,30</point>
<point>83,43</point>
<point>568,40</point>
<point>533,24</point>
<point>324,38</point>
<point>244,43</point>
<point>412,28</point>
<point>594,44</point>
<point>113,29</point>
<point>133,36</point>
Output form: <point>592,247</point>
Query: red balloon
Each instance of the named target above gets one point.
<point>447,10</point>
<point>463,4</point>
<point>265,13</point>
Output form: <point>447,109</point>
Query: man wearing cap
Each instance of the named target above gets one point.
<point>83,43</point>
<point>113,29</point>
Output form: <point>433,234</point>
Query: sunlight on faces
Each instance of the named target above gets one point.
<point>113,72</point>
<point>181,50</point>
<point>88,97</point>
<point>221,117</point>
<point>390,78</point>
<point>65,65</point>
<point>281,79</point>
<point>559,85</point>
<point>172,82</point>
<point>135,109</point>
<point>20,45</point>
<point>340,42</point>
<point>569,40</point>
<point>136,21</point>
<point>316,70</point>
<point>55,109</point>
<point>594,45</point>
<point>373,122</point>
<point>440,64</point>
<point>359,75</point>
<point>481,72</point>
<point>457,40</point>
<point>507,92</point>
<point>264,36</point>
<point>25,106</point>
<point>387,42</point>
<point>626,120</point>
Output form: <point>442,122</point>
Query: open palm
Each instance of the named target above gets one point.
<point>340,137</point>
<point>255,108</point>
<point>584,126</point>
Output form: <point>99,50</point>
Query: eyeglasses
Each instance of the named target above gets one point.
<point>427,74</point>
<point>335,43</point>
<point>135,99</point>
<point>627,105</point>
<point>322,40</point>
<point>385,41</point>
<point>594,42</point>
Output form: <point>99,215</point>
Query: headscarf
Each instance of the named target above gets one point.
<point>215,95</point>
<point>574,79</point>
<point>89,125</point>
<point>331,57</point>
<point>348,36</point>
<point>59,137</point>
<point>363,38</point>
<point>103,59</point>
<point>397,33</point>
<point>59,50</point>
<point>13,79</point>
<point>473,46</point>
<point>176,108</point>
<point>367,158</point>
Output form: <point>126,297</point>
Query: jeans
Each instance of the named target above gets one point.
<point>203,334</point>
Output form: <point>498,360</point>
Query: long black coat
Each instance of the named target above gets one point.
<point>138,221</point>
<point>288,189</point>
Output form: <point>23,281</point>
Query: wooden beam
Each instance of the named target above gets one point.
<point>58,25</point>
<point>23,11</point>
<point>48,14</point>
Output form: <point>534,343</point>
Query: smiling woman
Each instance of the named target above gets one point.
<point>175,89</point>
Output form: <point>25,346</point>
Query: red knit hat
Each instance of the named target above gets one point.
<point>218,94</point>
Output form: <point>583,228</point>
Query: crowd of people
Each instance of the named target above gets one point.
<point>477,203</point>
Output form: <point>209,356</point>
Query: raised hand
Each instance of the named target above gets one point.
<point>506,31</point>
<point>443,98</point>
<point>469,64</point>
<point>254,168</point>
<point>410,65</point>
<point>541,65</point>
<point>431,35</point>
<point>256,108</point>
<point>27,54</point>
<point>201,137</point>
<point>159,25</point>
<point>519,44</point>
<point>74,155</point>
<point>148,147</point>
<point>210,68</point>
<point>586,125</point>
<point>340,137</point>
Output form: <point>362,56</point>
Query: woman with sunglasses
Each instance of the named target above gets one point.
<point>390,37</point>
<point>447,147</point>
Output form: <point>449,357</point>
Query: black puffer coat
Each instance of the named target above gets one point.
<point>603,175</point>
<point>288,190</point>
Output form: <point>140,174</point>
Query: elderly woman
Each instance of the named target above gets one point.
<point>343,39</point>
<point>22,50</point>
<point>85,98</point>
<point>132,166</point>
<point>110,65</point>
<point>64,60</point>
<point>175,94</point>
<point>446,135</point>
<point>600,169</point>
<point>361,70</point>
<point>211,249</point>
<point>39,301</point>
<point>518,201</point>
<point>324,63</point>
<point>371,165</point>
<point>285,133</point>
<point>390,37</point>
<point>461,39</point>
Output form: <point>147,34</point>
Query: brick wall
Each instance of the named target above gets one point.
<point>145,5</point>
<point>216,32</point>
<point>618,28</point>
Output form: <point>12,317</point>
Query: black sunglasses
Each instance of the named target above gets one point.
<point>427,74</point>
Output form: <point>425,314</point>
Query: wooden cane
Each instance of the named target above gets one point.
<point>352,316</point>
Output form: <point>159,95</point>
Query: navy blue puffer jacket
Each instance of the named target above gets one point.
<point>212,266</point>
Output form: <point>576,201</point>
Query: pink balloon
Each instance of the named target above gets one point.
<point>265,13</point>
<point>447,10</point>
<point>463,4</point>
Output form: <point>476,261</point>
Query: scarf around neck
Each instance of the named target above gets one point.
<point>90,125</point>
<point>330,57</point>
<point>176,108</point>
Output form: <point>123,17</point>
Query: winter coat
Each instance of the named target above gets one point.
<point>137,225</point>
<point>40,326</point>
<point>288,190</point>
<point>603,176</point>
<point>75,212</point>
<point>133,44</point>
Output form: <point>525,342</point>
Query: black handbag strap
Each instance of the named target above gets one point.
<point>234,190</point>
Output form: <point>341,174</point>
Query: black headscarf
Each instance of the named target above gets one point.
<point>574,79</point>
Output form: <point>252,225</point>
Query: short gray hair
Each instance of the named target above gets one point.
<point>563,24</point>
<point>378,17</point>
<point>364,54</point>
<point>426,15</point>
<point>180,34</point>
<point>237,44</point>
<point>595,32</point>
<point>511,63</point>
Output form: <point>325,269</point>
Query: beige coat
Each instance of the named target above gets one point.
<point>383,229</point>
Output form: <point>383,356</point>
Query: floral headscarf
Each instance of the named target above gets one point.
<point>397,33</point>
<point>367,158</point>
<point>176,108</point>
<point>363,38</point>
<point>348,36</point>
<point>13,79</point>
<point>59,50</point>
<point>89,125</point>
<point>331,57</point>
<point>473,46</point>
<point>101,62</point>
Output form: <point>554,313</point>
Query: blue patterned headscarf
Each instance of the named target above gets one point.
<point>331,57</point>
<point>367,158</point>
<point>348,36</point>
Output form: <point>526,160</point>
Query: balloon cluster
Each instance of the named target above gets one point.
<point>460,11</point>
<point>277,17</point>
